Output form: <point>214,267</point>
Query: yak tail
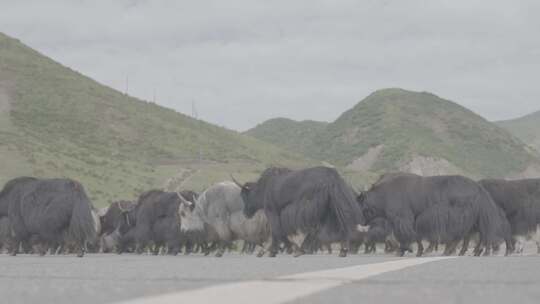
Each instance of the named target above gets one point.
<point>81,227</point>
<point>491,223</point>
<point>345,207</point>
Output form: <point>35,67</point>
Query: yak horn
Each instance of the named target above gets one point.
<point>183,199</point>
<point>121,208</point>
<point>236,182</point>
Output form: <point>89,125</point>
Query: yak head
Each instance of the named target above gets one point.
<point>187,203</point>
<point>117,217</point>
<point>368,211</point>
<point>251,197</point>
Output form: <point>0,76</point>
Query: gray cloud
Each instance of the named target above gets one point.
<point>242,62</point>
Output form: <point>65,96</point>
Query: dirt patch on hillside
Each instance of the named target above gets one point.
<point>5,100</point>
<point>176,182</point>
<point>429,166</point>
<point>532,171</point>
<point>366,161</point>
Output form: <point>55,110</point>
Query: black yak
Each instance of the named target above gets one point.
<point>299,202</point>
<point>155,221</point>
<point>441,209</point>
<point>520,202</point>
<point>48,211</point>
<point>116,220</point>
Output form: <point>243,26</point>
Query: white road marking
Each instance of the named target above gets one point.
<point>282,289</point>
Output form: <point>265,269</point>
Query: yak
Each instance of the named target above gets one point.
<point>48,211</point>
<point>217,217</point>
<point>302,201</point>
<point>520,202</point>
<point>154,221</point>
<point>12,191</point>
<point>442,209</point>
<point>116,221</point>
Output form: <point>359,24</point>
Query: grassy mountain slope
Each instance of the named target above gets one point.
<point>527,128</point>
<point>57,122</point>
<point>292,135</point>
<point>394,128</point>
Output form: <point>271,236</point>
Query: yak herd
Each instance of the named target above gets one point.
<point>293,211</point>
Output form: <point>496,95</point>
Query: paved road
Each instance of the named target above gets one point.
<point>113,278</point>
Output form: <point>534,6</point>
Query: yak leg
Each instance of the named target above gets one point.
<point>80,250</point>
<point>487,252</point>
<point>308,244</point>
<point>261,252</point>
<point>478,249</point>
<point>222,245</point>
<point>404,231</point>
<point>344,248</point>
<point>245,247</point>
<point>510,247</point>
<point>157,247</point>
<point>139,248</point>
<point>329,248</point>
<point>450,247</point>
<point>174,247</point>
<point>465,245</point>
<point>420,249</point>
<point>537,239</point>
<point>388,247</point>
<point>520,244</point>
<point>432,247</point>
<point>14,247</point>
<point>252,247</point>
<point>276,235</point>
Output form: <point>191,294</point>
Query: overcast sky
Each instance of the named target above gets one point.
<point>243,62</point>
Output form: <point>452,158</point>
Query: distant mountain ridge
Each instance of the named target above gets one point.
<point>527,128</point>
<point>396,129</point>
<point>293,135</point>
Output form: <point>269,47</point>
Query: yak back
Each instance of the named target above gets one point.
<point>405,190</point>
<point>220,200</point>
<point>12,191</point>
<point>155,204</point>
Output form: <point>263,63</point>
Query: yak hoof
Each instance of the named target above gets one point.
<point>260,254</point>
<point>298,253</point>
<point>272,254</point>
<point>219,254</point>
<point>342,253</point>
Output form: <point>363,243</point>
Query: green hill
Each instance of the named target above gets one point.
<point>57,122</point>
<point>527,128</point>
<point>395,129</point>
<point>292,135</point>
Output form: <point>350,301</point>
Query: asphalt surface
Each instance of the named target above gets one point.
<point>109,278</point>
